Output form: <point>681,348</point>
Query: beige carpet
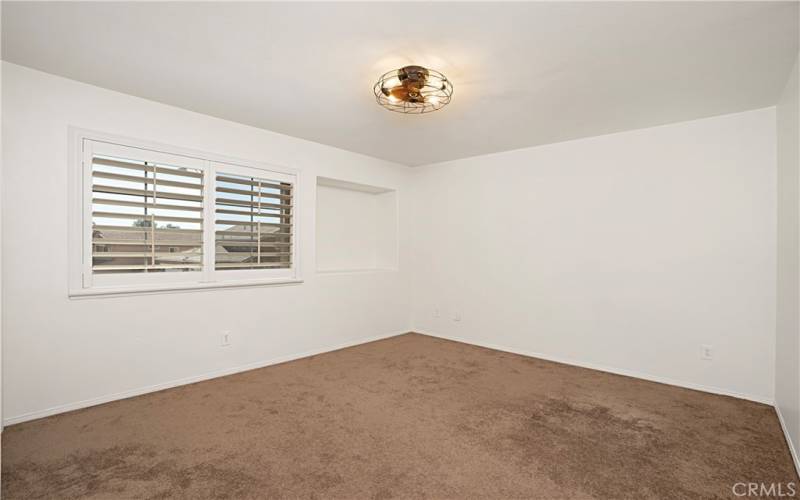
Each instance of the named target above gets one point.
<point>411,416</point>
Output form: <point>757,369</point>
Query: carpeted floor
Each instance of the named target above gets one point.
<point>410,416</point>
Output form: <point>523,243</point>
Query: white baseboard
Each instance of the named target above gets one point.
<point>789,442</point>
<point>260,364</point>
<point>607,369</point>
<point>187,380</point>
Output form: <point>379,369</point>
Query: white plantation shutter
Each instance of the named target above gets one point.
<point>152,217</point>
<point>253,221</point>
<point>147,216</point>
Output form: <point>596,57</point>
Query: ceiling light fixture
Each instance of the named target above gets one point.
<point>413,89</point>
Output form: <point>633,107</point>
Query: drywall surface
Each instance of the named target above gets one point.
<point>345,226</point>
<point>61,353</point>
<point>787,358</point>
<point>356,229</point>
<point>626,252</point>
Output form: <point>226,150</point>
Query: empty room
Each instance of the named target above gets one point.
<point>373,250</point>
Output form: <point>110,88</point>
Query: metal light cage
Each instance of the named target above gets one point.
<point>413,90</point>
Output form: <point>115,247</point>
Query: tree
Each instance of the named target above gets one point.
<point>147,223</point>
<point>142,223</point>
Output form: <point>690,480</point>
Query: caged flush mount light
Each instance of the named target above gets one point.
<point>413,89</point>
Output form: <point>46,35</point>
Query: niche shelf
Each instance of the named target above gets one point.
<point>356,227</point>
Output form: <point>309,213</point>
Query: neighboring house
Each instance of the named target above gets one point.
<point>233,246</point>
<point>236,244</point>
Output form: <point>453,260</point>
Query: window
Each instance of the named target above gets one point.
<point>254,222</point>
<point>140,207</point>
<point>156,218</point>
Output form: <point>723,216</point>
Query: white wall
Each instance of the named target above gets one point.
<point>787,360</point>
<point>627,251</point>
<point>385,230</point>
<point>59,352</point>
<point>345,223</point>
<point>356,228</point>
<point>1,245</point>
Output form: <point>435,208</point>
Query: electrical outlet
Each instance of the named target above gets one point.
<point>436,313</point>
<point>456,316</point>
<point>706,352</point>
<point>225,340</point>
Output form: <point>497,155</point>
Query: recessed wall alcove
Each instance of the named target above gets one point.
<point>356,227</point>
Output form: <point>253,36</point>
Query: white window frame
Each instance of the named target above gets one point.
<point>106,281</point>
<point>83,283</point>
<point>244,171</point>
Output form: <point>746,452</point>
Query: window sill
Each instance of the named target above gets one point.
<point>98,292</point>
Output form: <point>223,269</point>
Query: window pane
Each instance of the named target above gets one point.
<point>146,217</point>
<point>253,223</point>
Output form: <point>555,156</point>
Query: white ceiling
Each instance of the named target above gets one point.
<point>524,73</point>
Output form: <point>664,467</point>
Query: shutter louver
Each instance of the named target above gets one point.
<point>253,223</point>
<point>146,217</point>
